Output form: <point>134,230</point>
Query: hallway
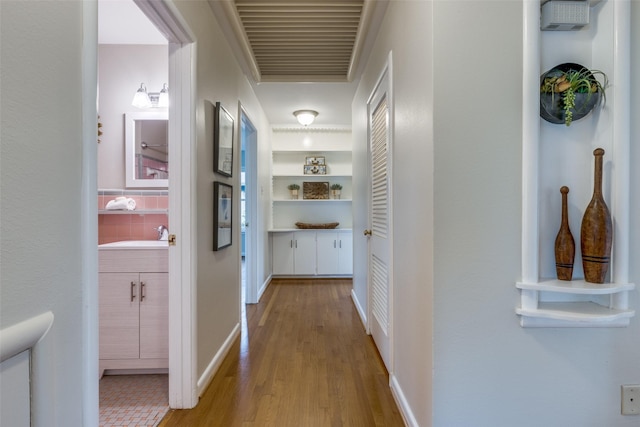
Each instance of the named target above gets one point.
<point>303,359</point>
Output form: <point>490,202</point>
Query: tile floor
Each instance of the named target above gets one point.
<point>133,400</point>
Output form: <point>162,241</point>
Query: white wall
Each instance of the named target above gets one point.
<point>121,69</point>
<point>460,356</point>
<point>406,32</point>
<point>40,174</point>
<point>218,78</point>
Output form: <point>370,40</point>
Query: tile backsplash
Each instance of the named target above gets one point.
<point>139,224</point>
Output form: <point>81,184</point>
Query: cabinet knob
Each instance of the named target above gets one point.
<point>367,232</point>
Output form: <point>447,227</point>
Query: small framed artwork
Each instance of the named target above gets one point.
<point>222,215</point>
<point>315,190</point>
<point>222,141</point>
<point>315,170</point>
<point>315,161</point>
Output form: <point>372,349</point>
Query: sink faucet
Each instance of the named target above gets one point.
<point>163,232</point>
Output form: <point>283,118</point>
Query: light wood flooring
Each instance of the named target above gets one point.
<point>303,360</point>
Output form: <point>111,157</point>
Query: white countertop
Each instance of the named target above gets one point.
<point>136,244</point>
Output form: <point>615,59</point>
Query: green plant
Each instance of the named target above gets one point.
<point>569,82</point>
<point>336,187</point>
<point>293,187</point>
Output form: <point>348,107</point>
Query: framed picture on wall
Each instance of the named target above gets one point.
<point>222,141</point>
<point>222,215</point>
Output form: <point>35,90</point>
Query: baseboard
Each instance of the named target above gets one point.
<point>264,286</point>
<point>401,401</point>
<point>361,312</point>
<point>215,363</point>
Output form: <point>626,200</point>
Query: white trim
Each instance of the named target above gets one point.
<point>264,286</point>
<point>361,311</point>
<point>24,335</point>
<point>252,295</point>
<point>214,364</point>
<point>404,407</point>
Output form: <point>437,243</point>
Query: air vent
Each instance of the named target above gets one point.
<point>564,15</point>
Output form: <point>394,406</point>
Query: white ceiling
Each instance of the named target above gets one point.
<point>122,22</point>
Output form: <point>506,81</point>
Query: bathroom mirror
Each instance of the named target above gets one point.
<point>146,150</point>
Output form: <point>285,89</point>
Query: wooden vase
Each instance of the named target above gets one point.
<point>596,230</point>
<point>565,247</point>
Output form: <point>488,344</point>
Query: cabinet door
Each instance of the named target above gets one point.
<point>327,245</point>
<point>154,315</point>
<point>305,252</point>
<point>345,250</point>
<point>118,315</point>
<point>282,253</point>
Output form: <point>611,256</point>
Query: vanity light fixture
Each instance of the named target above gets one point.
<point>305,117</point>
<point>163,98</point>
<point>142,99</point>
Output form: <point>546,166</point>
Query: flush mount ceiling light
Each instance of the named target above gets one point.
<point>305,117</point>
<point>142,99</point>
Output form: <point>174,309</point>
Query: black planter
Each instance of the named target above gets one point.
<point>552,104</point>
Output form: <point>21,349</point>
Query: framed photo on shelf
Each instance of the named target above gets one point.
<point>315,161</point>
<point>315,190</point>
<point>222,215</point>
<point>315,170</point>
<point>222,141</point>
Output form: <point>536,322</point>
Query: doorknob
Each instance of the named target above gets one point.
<point>367,232</point>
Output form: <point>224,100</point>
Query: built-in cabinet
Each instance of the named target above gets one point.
<point>312,252</point>
<point>133,308</point>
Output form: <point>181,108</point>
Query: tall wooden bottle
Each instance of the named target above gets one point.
<point>596,230</point>
<point>565,247</point>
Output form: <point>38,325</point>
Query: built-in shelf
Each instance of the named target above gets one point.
<point>310,176</point>
<point>556,155</point>
<point>133,212</point>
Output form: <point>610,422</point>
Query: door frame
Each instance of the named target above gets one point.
<point>251,199</point>
<point>182,201</point>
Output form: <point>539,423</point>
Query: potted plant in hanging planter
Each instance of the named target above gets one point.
<point>569,92</point>
<point>293,189</point>
<point>335,190</point>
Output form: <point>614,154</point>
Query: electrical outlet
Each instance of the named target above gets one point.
<point>631,399</point>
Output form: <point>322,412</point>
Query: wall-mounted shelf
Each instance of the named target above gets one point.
<point>556,155</point>
<point>312,200</point>
<point>133,212</point>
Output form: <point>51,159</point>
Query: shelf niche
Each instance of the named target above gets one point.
<point>555,155</point>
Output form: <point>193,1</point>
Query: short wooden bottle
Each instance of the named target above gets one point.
<point>565,247</point>
<point>596,230</point>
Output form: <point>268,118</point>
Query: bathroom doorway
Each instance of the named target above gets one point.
<point>248,209</point>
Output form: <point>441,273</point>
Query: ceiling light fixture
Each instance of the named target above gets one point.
<point>305,117</point>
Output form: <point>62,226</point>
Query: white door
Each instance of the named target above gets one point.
<point>282,253</point>
<point>379,277</point>
<point>327,256</point>
<point>345,253</point>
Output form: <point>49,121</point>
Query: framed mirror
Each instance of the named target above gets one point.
<point>146,150</point>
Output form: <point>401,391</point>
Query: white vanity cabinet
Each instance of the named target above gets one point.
<point>335,252</point>
<point>133,308</point>
<point>294,252</point>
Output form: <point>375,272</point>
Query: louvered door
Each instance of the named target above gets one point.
<point>379,241</point>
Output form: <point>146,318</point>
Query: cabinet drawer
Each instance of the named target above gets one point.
<point>133,260</point>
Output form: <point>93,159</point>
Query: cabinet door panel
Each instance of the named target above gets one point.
<point>305,252</point>
<point>327,252</point>
<point>345,248</point>
<point>154,315</point>
<point>118,316</point>
<point>282,253</point>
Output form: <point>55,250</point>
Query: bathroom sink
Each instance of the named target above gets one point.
<point>135,244</point>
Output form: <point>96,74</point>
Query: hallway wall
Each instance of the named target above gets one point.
<point>41,213</point>
<point>218,78</point>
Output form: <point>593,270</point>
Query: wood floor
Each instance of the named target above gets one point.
<point>304,360</point>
